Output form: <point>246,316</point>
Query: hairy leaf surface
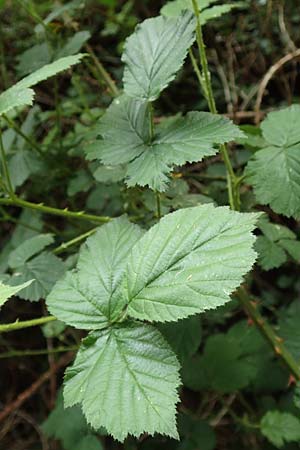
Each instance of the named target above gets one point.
<point>154,53</point>
<point>125,139</point>
<point>130,370</point>
<point>92,296</point>
<point>191,261</point>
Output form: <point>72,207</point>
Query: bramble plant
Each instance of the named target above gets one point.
<point>163,256</point>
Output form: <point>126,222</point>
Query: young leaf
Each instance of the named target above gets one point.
<point>154,53</point>
<point>191,261</point>
<point>175,7</point>
<point>125,139</point>
<point>29,248</point>
<point>92,297</point>
<point>274,171</point>
<point>280,427</point>
<point>20,93</point>
<point>128,369</point>
<point>8,291</point>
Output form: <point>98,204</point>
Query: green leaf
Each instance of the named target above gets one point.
<point>231,362</point>
<point>289,328</point>
<point>275,232</point>
<point>154,53</point>
<point>124,130</point>
<point>195,434</point>
<point>270,254</point>
<point>33,59</point>
<point>22,164</point>
<point>125,139</point>
<point>292,247</point>
<point>45,269</point>
<point>191,261</point>
<point>67,425</point>
<point>280,427</point>
<point>20,94</point>
<point>29,248</point>
<point>217,11</point>
<point>183,336</point>
<point>274,171</point>
<point>14,97</point>
<point>53,329</point>
<point>131,371</point>
<point>89,442</point>
<point>92,296</point>
<point>74,44</point>
<point>110,174</point>
<point>174,8</point>
<point>8,291</point>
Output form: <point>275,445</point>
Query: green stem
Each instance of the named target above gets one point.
<point>14,353</point>
<point>267,331</point>
<point>5,168</point>
<point>103,72</point>
<point>18,130</point>
<point>65,245</point>
<point>198,73</point>
<point>203,60</point>
<point>233,190</point>
<point>234,198</point>
<point>54,211</point>
<point>5,328</point>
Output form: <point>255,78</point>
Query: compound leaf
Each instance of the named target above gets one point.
<point>125,139</point>
<point>154,53</point>
<point>191,261</point>
<point>274,171</point>
<point>92,296</point>
<point>128,369</point>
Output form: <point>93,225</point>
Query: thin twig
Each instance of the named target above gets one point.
<point>29,392</point>
<point>267,77</point>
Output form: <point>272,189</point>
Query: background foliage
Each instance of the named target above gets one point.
<point>238,391</point>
